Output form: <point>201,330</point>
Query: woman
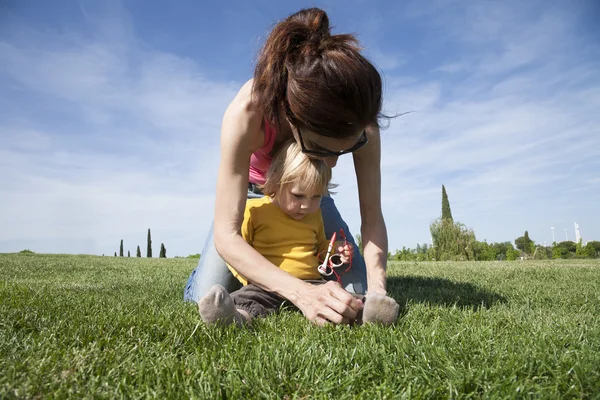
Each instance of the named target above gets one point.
<point>319,90</point>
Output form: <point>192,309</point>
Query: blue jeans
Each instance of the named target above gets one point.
<point>212,269</point>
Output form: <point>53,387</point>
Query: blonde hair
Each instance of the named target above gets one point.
<point>291,166</point>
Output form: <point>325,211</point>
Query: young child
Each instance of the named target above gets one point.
<point>286,227</point>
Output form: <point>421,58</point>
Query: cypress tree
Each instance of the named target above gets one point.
<point>149,245</point>
<point>121,249</point>
<point>163,251</point>
<point>139,253</point>
<point>115,253</point>
<point>128,254</point>
<point>446,213</point>
<point>529,243</point>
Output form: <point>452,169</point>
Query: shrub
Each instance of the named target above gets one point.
<point>452,241</point>
<point>512,254</point>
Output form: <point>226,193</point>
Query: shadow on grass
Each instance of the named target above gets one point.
<point>438,291</point>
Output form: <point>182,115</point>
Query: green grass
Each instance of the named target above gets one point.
<point>106,327</point>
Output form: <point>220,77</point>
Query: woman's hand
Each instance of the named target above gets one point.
<point>328,303</point>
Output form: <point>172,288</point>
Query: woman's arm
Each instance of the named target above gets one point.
<point>367,163</point>
<point>241,136</point>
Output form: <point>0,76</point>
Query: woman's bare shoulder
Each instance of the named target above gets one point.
<point>243,118</point>
<point>242,102</point>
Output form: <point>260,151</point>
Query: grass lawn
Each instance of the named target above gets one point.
<point>75,326</point>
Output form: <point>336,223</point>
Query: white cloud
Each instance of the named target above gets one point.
<point>137,149</point>
<point>512,132</point>
<point>386,61</point>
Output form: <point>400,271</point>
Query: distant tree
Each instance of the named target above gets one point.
<point>520,243</point>
<point>530,243</point>
<point>128,255</point>
<point>525,244</point>
<point>452,240</point>
<point>579,249</point>
<point>163,251</point>
<point>359,244</point>
<point>121,249</point>
<point>540,253</point>
<point>115,253</point>
<point>593,247</point>
<point>569,245</point>
<point>501,249</point>
<point>431,254</point>
<point>422,252</point>
<point>589,250</point>
<point>512,254</point>
<point>566,249</point>
<point>558,252</point>
<point>138,253</point>
<point>149,245</point>
<point>197,255</point>
<point>403,255</point>
<point>446,213</point>
<point>484,251</point>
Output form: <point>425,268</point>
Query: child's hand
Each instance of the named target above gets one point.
<point>346,251</point>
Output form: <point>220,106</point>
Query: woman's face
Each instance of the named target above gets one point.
<point>296,201</point>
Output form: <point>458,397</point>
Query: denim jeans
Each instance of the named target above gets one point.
<point>212,269</point>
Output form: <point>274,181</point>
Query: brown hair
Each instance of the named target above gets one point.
<point>321,80</point>
<point>291,165</point>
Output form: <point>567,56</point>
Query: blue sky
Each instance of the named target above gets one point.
<point>110,115</point>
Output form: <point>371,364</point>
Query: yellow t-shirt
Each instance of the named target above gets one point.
<point>290,244</point>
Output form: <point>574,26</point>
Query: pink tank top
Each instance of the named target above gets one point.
<point>260,161</point>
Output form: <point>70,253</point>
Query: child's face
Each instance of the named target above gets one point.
<point>296,201</point>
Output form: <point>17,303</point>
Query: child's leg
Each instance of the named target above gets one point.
<point>217,306</point>
<point>243,305</point>
<point>256,302</point>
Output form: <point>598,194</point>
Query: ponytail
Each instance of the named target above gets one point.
<point>320,81</point>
